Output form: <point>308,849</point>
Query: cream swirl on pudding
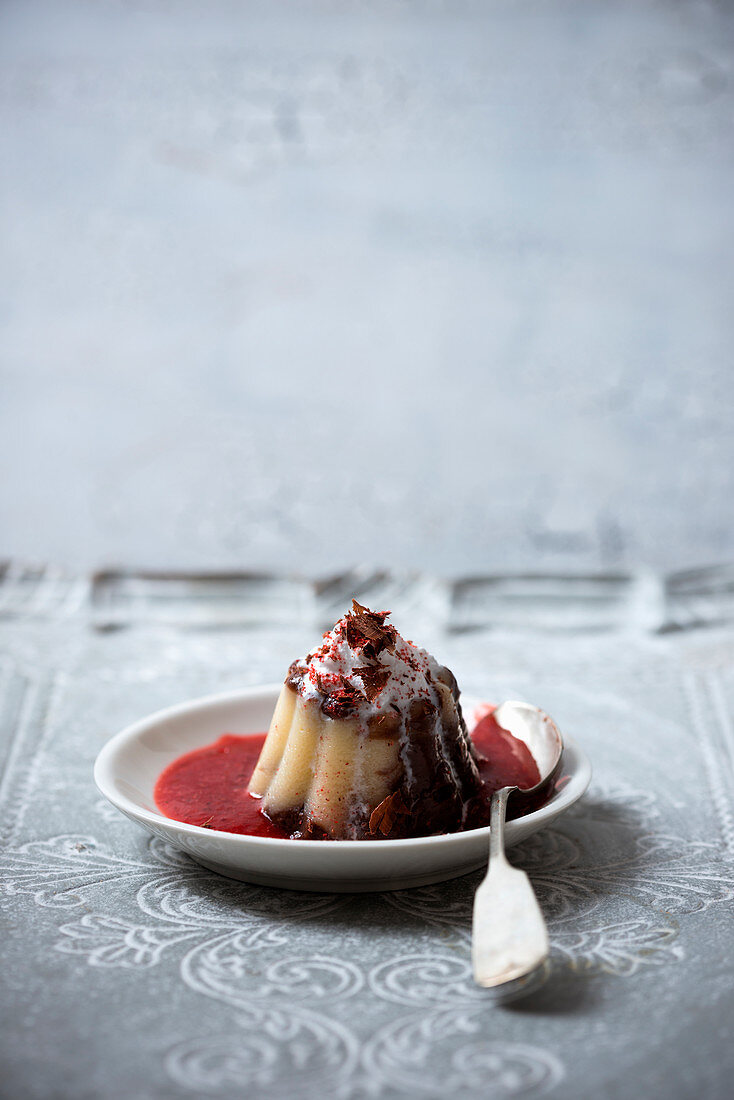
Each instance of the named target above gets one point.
<point>367,740</point>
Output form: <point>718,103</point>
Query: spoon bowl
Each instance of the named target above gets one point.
<point>542,737</point>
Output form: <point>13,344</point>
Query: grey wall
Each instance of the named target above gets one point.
<point>302,285</point>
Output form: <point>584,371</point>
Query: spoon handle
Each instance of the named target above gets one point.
<point>509,936</point>
<point>497,814</point>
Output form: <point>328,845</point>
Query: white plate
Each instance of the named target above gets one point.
<point>128,766</point>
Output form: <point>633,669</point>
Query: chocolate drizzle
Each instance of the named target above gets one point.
<point>440,774</point>
<point>294,677</point>
<point>386,725</point>
<point>340,698</point>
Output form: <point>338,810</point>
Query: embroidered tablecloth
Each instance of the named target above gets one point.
<point>131,971</point>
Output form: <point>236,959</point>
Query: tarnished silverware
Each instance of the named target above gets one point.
<point>509,936</point>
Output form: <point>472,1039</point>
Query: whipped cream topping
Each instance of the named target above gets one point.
<point>385,671</point>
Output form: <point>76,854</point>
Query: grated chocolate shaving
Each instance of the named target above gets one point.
<point>387,815</point>
<point>374,678</point>
<point>367,630</point>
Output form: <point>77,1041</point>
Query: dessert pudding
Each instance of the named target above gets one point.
<point>367,740</point>
<point>208,786</point>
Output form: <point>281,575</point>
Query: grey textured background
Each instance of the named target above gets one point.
<point>428,286</point>
<point>422,285</point>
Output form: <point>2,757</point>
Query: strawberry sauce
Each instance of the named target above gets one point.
<point>208,786</point>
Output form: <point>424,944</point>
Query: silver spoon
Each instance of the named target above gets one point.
<point>509,936</point>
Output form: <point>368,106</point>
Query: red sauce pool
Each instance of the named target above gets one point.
<point>208,786</point>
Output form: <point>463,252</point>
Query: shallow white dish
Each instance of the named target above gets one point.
<point>129,764</point>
